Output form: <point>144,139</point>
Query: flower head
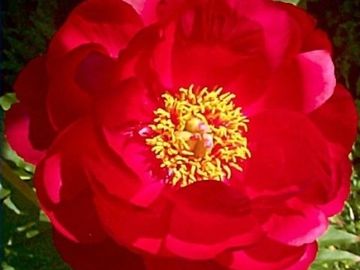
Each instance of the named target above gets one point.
<point>191,134</point>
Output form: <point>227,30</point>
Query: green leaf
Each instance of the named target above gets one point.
<point>9,204</point>
<point>17,183</point>
<point>334,255</point>
<point>5,266</point>
<point>4,193</point>
<point>28,243</point>
<point>294,2</point>
<point>7,100</point>
<point>24,169</point>
<point>335,237</point>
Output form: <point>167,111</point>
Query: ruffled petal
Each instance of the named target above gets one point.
<point>68,100</point>
<point>303,84</point>
<point>147,9</point>
<point>210,20</point>
<point>103,255</point>
<point>95,73</point>
<point>277,256</point>
<point>340,181</point>
<point>123,116</point>
<point>312,38</point>
<point>25,120</point>
<point>306,259</point>
<point>317,40</point>
<point>202,65</point>
<point>17,125</point>
<point>115,177</point>
<point>128,104</point>
<point>183,51</point>
<point>296,223</point>
<point>150,64</point>
<point>318,78</point>
<point>282,32</point>
<point>134,226</point>
<point>111,25</point>
<point>208,218</point>
<point>63,190</point>
<point>288,155</point>
<point>338,113</point>
<point>156,263</point>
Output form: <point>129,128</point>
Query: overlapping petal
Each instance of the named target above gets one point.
<point>28,127</point>
<point>67,101</point>
<point>338,113</point>
<point>111,25</point>
<point>63,188</point>
<point>209,217</point>
<point>276,257</point>
<point>95,256</point>
<point>277,154</point>
<point>303,84</point>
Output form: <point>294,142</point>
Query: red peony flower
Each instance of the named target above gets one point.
<point>186,135</point>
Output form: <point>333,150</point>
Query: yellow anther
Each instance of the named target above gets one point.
<point>206,142</point>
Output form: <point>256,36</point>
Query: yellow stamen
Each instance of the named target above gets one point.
<point>199,135</point>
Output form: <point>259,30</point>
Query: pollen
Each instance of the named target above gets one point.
<point>199,135</point>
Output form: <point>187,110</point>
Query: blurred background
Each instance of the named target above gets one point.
<point>25,233</point>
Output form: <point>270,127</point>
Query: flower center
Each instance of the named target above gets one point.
<point>199,135</point>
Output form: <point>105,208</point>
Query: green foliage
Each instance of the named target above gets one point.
<point>26,242</point>
<point>28,25</point>
<point>294,2</point>
<point>335,250</point>
<point>338,237</point>
<point>26,233</point>
<point>7,100</point>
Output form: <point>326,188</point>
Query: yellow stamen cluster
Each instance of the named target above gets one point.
<point>198,135</point>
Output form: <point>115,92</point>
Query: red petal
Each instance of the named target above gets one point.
<point>63,189</point>
<point>138,60</point>
<point>338,113</point>
<point>113,176</point>
<point>211,20</point>
<point>95,73</point>
<point>146,9</point>
<point>318,78</point>
<point>156,263</point>
<point>306,259</point>
<point>162,57</point>
<point>281,31</point>
<point>288,154</point>
<point>103,255</point>
<point>208,218</point>
<point>123,115</point>
<point>134,226</point>
<point>203,65</point>
<point>342,170</point>
<point>127,104</point>
<point>270,255</point>
<point>30,115</point>
<point>303,84</point>
<point>17,124</point>
<point>296,223</point>
<point>178,55</point>
<point>313,39</point>
<point>318,40</point>
<point>66,100</point>
<point>111,25</point>
<point>212,46</point>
